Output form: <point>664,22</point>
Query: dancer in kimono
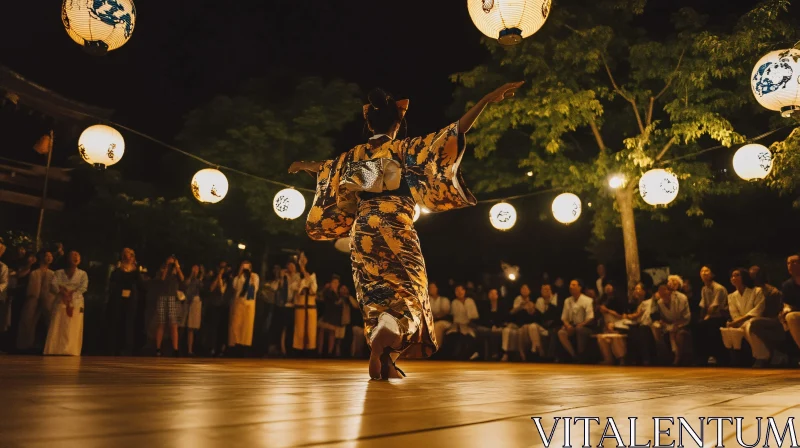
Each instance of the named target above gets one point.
<point>65,336</point>
<point>369,194</point>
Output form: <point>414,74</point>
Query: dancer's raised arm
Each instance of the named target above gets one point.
<point>310,167</point>
<point>505,91</point>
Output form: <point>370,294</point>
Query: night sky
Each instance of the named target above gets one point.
<point>183,53</point>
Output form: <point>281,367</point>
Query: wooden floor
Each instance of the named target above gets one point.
<point>148,402</point>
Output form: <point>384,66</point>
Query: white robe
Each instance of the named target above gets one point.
<point>243,313</point>
<point>65,336</point>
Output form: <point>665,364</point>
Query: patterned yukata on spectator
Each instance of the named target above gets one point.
<point>355,197</point>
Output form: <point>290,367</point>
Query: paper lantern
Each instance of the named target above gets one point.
<point>658,187</point>
<point>503,216</point>
<point>342,245</point>
<point>209,185</point>
<point>509,21</point>
<point>567,208</point>
<point>752,162</point>
<point>99,25</point>
<point>511,272</point>
<point>101,146</point>
<point>242,246</point>
<point>289,203</point>
<point>775,81</point>
<point>417,212</point>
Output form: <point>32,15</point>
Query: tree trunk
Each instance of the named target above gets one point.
<point>625,206</point>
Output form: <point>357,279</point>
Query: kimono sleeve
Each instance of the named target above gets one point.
<point>432,169</point>
<point>331,216</point>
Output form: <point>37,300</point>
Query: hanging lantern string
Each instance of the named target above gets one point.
<point>519,196</point>
<point>752,140</point>
<point>198,158</point>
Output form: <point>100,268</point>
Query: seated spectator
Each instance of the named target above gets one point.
<point>673,318</point>
<point>766,332</point>
<point>638,319</point>
<point>541,333</point>
<point>522,314</point>
<point>461,336</point>
<point>791,299</point>
<point>714,309</point>
<point>440,306</point>
<point>493,316</point>
<point>577,317</point>
<point>745,303</point>
<point>610,340</point>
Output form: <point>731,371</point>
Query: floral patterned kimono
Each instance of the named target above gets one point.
<point>355,197</point>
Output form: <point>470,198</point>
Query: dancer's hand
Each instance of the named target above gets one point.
<point>296,167</point>
<point>503,92</point>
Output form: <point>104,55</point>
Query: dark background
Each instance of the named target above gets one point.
<point>182,53</point>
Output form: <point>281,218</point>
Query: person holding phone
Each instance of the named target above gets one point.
<point>243,307</point>
<point>167,307</point>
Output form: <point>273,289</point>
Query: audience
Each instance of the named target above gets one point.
<point>756,323</point>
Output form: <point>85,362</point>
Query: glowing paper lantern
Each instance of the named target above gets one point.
<point>658,187</point>
<point>101,146</point>
<point>343,245</point>
<point>417,212</point>
<point>289,203</point>
<point>509,21</point>
<point>511,272</point>
<point>503,216</point>
<point>99,25</point>
<point>209,185</point>
<point>752,162</point>
<point>775,81</point>
<point>567,208</point>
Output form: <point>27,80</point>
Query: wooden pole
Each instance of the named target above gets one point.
<point>44,194</point>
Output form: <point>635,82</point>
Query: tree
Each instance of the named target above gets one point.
<point>605,96</point>
<point>264,128</point>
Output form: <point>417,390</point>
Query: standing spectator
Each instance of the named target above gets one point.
<point>243,308</point>
<point>217,310</point>
<point>356,325</point>
<point>289,286</point>
<point>640,344</point>
<point>522,313</point>
<point>65,335</point>
<point>577,317</point>
<point>330,325</point>
<point>5,300</point>
<point>714,309</point>
<point>766,332</point>
<point>124,292</point>
<point>493,315</point>
<point>59,258</point>
<point>305,309</point>
<point>38,303</point>
<point>461,334</point>
<point>18,289</point>
<point>601,279</point>
<point>167,307</point>
<point>745,302</point>
<point>674,317</point>
<point>440,306</point>
<point>193,306</point>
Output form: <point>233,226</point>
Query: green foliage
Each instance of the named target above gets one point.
<point>263,129</point>
<point>604,95</point>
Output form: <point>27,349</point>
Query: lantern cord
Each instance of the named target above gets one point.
<point>519,196</point>
<point>200,159</point>
<point>752,140</point>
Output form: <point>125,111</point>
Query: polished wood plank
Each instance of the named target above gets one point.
<point>121,402</point>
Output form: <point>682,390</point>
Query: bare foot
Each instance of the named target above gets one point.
<point>504,358</point>
<point>382,342</point>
